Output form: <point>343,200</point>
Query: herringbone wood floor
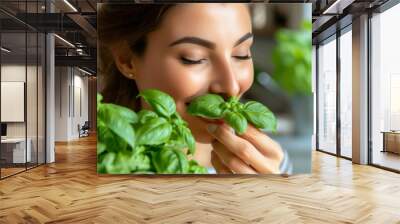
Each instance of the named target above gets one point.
<point>70,191</point>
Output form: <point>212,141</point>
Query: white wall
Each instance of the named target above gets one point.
<point>70,83</point>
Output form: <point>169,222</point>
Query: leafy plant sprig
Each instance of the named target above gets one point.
<point>233,112</point>
<point>144,142</point>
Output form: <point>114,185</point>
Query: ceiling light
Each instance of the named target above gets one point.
<point>338,6</point>
<point>84,71</point>
<point>70,5</point>
<point>5,50</point>
<point>65,41</point>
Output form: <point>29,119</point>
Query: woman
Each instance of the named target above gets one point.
<point>187,50</point>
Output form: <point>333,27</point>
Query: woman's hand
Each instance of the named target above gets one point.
<point>250,153</point>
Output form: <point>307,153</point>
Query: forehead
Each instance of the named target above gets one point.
<point>212,21</point>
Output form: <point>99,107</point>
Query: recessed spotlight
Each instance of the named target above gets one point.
<point>5,50</point>
<point>70,5</point>
<point>64,40</point>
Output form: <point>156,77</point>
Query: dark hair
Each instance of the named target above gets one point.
<point>124,22</point>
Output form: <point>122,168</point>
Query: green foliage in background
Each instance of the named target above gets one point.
<point>146,142</point>
<point>233,112</point>
<point>292,59</point>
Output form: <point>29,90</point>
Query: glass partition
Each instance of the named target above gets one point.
<point>327,96</point>
<point>13,94</point>
<point>22,78</point>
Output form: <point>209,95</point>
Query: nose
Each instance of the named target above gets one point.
<point>225,80</point>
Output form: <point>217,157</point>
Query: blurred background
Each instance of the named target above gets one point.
<point>282,79</point>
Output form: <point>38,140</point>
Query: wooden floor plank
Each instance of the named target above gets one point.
<point>70,191</point>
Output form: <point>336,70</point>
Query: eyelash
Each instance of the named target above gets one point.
<point>246,57</point>
<point>192,62</point>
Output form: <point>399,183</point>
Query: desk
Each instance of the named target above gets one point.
<point>391,141</point>
<point>16,147</point>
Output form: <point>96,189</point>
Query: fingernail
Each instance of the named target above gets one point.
<point>211,128</point>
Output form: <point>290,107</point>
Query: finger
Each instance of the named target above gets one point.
<point>218,165</point>
<point>244,150</point>
<point>231,161</point>
<point>263,143</point>
<point>224,135</point>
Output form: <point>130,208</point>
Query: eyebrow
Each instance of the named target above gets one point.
<point>207,43</point>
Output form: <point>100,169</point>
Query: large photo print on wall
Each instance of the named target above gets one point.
<point>197,88</point>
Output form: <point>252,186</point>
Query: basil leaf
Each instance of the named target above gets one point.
<point>188,138</point>
<point>110,164</point>
<point>145,115</point>
<point>236,120</point>
<point>99,99</point>
<point>155,131</point>
<point>118,163</point>
<point>177,119</point>
<point>118,119</point>
<point>259,115</point>
<point>108,111</point>
<point>162,103</point>
<point>232,100</point>
<point>208,106</point>
<point>139,161</point>
<point>195,168</point>
<point>112,142</point>
<point>168,160</point>
<point>101,147</point>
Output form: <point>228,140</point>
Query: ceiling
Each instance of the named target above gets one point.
<point>75,21</point>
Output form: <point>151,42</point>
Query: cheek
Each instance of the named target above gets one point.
<point>170,76</point>
<point>181,82</point>
<point>245,77</point>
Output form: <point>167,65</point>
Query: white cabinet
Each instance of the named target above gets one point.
<point>18,149</point>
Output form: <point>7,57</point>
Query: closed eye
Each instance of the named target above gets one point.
<point>191,62</point>
<point>246,57</point>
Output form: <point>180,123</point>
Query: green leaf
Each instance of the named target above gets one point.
<point>292,59</point>
<point>120,164</point>
<point>236,120</point>
<point>188,138</point>
<point>208,106</point>
<point>145,115</point>
<point>195,168</point>
<point>170,161</point>
<point>162,103</point>
<point>101,147</point>
<point>259,115</point>
<point>232,100</point>
<point>99,99</point>
<point>111,141</point>
<point>112,110</point>
<point>155,131</point>
<point>139,161</point>
<point>118,119</point>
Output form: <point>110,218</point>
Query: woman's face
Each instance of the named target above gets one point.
<point>198,49</point>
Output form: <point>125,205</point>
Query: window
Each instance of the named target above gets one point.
<point>385,89</point>
<point>346,92</point>
<point>327,96</point>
